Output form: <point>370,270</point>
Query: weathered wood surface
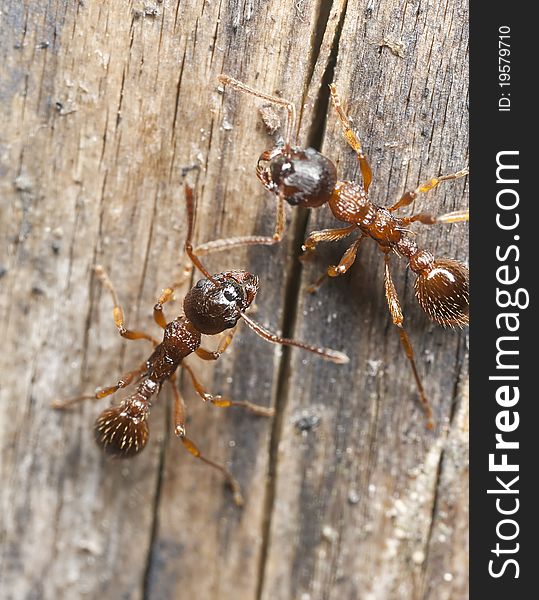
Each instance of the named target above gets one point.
<point>347,495</point>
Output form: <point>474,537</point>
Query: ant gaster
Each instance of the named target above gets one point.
<point>214,305</point>
<point>305,177</point>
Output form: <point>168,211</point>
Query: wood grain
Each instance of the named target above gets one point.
<point>108,107</point>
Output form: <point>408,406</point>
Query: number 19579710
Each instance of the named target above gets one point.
<point>504,67</point>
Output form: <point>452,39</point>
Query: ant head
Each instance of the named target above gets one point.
<point>213,308</point>
<point>442,290</point>
<point>304,177</point>
<point>122,431</point>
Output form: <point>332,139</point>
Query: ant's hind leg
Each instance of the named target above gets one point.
<point>397,317</point>
<point>124,381</point>
<point>178,418</point>
<point>408,197</point>
<point>218,400</point>
<point>352,138</point>
<point>230,479</point>
<point>118,312</point>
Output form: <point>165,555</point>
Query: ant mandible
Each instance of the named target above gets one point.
<point>305,177</point>
<point>215,304</point>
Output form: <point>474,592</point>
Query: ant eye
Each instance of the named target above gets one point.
<point>287,168</point>
<point>230,295</point>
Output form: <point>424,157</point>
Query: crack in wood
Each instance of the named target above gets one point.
<point>293,283</point>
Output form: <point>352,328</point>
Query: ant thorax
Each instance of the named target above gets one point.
<point>350,204</point>
<point>180,339</point>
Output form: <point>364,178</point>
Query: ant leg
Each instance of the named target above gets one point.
<point>315,286</point>
<point>347,260</point>
<point>223,345</point>
<point>408,197</point>
<point>178,415</point>
<point>397,317</point>
<point>250,240</point>
<point>351,138</point>
<point>179,429</point>
<point>158,315</point>
<point>324,235</point>
<point>290,108</point>
<point>230,479</point>
<point>124,381</point>
<point>218,400</point>
<point>166,295</point>
<point>457,216</point>
<point>118,313</point>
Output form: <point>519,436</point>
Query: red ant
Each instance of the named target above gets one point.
<point>305,177</point>
<point>215,304</point>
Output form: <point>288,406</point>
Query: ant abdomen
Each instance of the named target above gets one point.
<point>304,177</point>
<point>122,431</point>
<point>442,290</point>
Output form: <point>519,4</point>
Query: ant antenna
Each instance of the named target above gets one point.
<point>327,353</point>
<point>291,109</point>
<point>190,202</point>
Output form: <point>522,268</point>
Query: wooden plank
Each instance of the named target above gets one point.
<point>108,104</point>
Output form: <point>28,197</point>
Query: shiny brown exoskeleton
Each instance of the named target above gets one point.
<point>214,305</point>
<point>305,177</point>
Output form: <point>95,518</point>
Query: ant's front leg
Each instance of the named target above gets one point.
<point>218,400</point>
<point>178,417</point>
<point>250,240</point>
<point>118,312</point>
<point>408,197</point>
<point>290,126</point>
<point>124,381</point>
<point>398,318</point>
<point>158,314</point>
<point>167,295</point>
<point>324,235</point>
<point>225,342</point>
<point>347,260</point>
<point>352,139</point>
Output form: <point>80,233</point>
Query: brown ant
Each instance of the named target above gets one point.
<point>305,177</point>
<point>215,304</point>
